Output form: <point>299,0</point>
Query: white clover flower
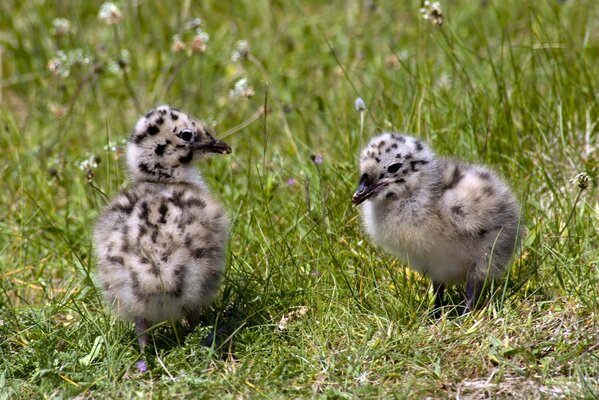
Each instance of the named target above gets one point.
<point>241,52</point>
<point>360,105</point>
<point>241,89</point>
<point>110,14</point>
<point>432,12</point>
<point>199,41</point>
<point>60,27</point>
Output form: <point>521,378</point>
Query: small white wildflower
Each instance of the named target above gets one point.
<point>88,165</point>
<point>241,52</point>
<point>60,27</point>
<point>110,146</point>
<point>55,67</point>
<point>193,24</point>
<point>432,12</point>
<point>360,105</point>
<point>110,13</point>
<point>91,161</point>
<point>444,81</point>
<point>241,89</point>
<point>114,68</point>
<point>362,379</point>
<point>178,44</point>
<point>199,41</point>
<point>60,66</point>
<point>78,57</point>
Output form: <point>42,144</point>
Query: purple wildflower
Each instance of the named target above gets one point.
<point>141,366</point>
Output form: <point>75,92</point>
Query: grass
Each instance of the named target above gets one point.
<point>509,84</point>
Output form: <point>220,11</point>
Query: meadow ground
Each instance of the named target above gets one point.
<point>510,84</point>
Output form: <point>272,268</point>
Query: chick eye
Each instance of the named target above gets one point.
<point>186,135</point>
<point>394,167</point>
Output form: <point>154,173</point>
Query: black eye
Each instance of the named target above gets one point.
<point>186,135</point>
<point>394,167</point>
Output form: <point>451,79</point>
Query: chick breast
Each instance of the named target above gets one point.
<point>161,250</point>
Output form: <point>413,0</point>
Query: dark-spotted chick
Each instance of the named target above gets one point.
<point>450,221</point>
<point>161,243</point>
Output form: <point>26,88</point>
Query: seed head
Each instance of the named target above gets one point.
<point>360,105</point>
<point>582,180</point>
<point>110,14</point>
<point>432,12</point>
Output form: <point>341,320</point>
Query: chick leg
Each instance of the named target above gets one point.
<point>473,289</point>
<point>194,319</point>
<point>141,326</point>
<point>439,291</point>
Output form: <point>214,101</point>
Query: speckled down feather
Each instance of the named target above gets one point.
<point>161,251</point>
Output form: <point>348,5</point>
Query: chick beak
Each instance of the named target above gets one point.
<point>215,146</point>
<point>365,191</point>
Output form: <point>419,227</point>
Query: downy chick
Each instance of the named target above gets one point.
<point>161,243</point>
<point>450,221</point>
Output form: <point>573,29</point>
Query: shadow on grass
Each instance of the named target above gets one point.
<point>222,323</point>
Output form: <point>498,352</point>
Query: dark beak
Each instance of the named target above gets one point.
<point>216,146</point>
<point>365,191</point>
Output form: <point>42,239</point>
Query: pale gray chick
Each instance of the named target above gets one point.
<point>161,243</point>
<point>450,221</point>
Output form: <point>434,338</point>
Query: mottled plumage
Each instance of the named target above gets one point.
<point>161,243</point>
<point>450,221</point>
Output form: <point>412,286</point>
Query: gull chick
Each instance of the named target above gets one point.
<point>161,243</point>
<point>450,221</point>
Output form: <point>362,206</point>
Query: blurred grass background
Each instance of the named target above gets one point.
<point>509,84</point>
